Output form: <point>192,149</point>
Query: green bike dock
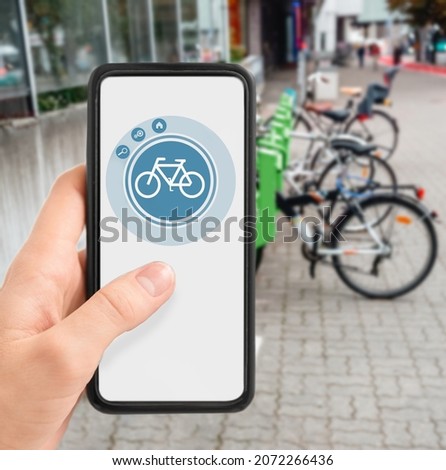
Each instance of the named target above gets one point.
<point>273,153</point>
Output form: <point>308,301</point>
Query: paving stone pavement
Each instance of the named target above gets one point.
<point>334,370</point>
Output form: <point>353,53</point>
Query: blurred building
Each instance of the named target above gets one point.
<point>341,22</point>
<point>49,47</point>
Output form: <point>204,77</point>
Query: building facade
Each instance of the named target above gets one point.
<point>49,47</point>
<point>338,22</point>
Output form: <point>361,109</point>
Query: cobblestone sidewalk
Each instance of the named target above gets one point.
<point>334,370</point>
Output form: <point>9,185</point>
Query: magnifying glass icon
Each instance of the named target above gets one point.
<point>122,151</point>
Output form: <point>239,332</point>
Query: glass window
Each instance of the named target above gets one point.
<point>129,30</point>
<point>213,31</point>
<point>67,41</point>
<point>14,90</point>
<point>166,30</point>
<point>189,31</point>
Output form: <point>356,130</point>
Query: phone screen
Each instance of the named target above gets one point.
<point>172,167</point>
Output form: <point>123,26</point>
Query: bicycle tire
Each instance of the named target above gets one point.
<point>383,115</point>
<point>316,157</point>
<point>425,219</point>
<point>377,161</point>
<point>300,120</point>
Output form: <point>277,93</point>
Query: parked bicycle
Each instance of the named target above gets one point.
<point>383,246</point>
<point>362,120</point>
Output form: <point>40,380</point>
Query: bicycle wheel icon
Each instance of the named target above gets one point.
<point>148,184</point>
<point>189,183</point>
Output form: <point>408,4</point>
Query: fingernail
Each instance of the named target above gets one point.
<point>156,278</point>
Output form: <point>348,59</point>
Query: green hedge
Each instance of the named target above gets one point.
<point>60,99</point>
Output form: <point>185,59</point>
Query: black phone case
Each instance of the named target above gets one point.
<point>93,214</point>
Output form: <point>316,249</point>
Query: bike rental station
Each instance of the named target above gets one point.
<point>373,230</point>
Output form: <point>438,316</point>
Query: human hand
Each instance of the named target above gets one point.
<point>50,340</point>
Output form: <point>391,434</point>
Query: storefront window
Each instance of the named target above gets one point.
<point>189,30</point>
<point>213,30</point>
<point>130,30</point>
<point>166,30</point>
<point>237,18</point>
<point>67,41</point>
<point>14,90</point>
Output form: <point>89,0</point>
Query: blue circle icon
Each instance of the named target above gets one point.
<point>159,125</point>
<point>175,185</point>
<point>171,180</point>
<point>122,151</point>
<point>138,134</point>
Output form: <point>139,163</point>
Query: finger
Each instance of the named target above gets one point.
<point>82,256</point>
<point>57,228</point>
<point>62,217</point>
<point>118,307</point>
<point>45,263</point>
<point>76,293</point>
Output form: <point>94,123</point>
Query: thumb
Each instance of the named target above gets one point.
<point>118,307</point>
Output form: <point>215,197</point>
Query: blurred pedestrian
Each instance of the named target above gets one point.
<point>375,53</point>
<point>361,55</point>
<point>397,54</point>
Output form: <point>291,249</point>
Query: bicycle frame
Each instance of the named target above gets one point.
<point>157,167</point>
<point>287,205</point>
<point>300,167</point>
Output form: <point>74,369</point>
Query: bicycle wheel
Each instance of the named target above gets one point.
<point>151,184</point>
<point>194,182</point>
<point>300,122</point>
<point>380,129</point>
<point>360,175</point>
<point>406,241</point>
<point>320,159</point>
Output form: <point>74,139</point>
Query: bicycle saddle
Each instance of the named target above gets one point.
<point>352,146</point>
<point>337,115</point>
<point>353,91</point>
<point>318,107</point>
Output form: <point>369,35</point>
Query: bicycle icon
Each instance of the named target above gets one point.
<point>190,183</point>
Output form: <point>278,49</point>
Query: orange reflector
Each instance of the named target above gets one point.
<point>378,154</point>
<point>317,197</point>
<point>388,102</point>
<point>365,172</point>
<point>403,219</point>
<point>350,252</point>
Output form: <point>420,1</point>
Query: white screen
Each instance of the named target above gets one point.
<point>192,349</point>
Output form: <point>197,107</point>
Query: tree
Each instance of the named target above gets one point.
<point>421,14</point>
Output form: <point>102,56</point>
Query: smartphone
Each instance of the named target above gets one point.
<point>170,177</point>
